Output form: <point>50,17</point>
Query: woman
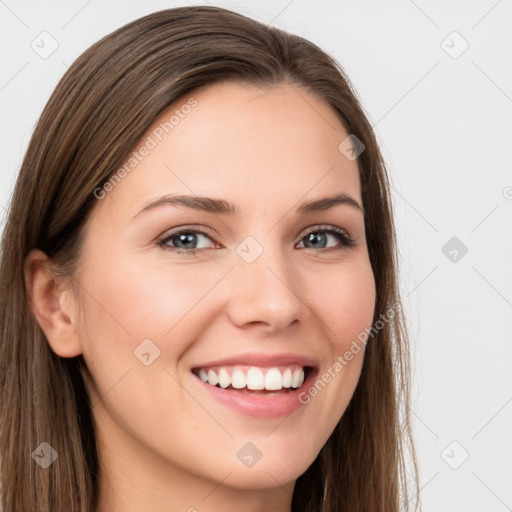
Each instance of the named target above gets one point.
<point>262,368</point>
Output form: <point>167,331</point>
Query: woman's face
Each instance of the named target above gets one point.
<point>269,290</point>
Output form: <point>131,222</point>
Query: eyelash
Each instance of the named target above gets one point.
<point>342,235</point>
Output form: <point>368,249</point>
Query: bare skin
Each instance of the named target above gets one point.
<point>164,443</point>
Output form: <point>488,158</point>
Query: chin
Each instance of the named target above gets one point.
<point>264,477</point>
<point>274,471</point>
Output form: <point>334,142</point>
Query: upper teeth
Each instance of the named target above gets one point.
<point>252,377</point>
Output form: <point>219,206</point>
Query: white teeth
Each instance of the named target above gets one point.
<point>224,378</point>
<point>238,380</point>
<point>213,379</point>
<point>287,378</point>
<point>254,378</point>
<point>296,378</point>
<point>273,379</point>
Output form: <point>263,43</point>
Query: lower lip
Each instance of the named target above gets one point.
<point>258,405</point>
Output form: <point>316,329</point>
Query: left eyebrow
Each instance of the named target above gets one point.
<point>220,206</point>
<point>325,203</point>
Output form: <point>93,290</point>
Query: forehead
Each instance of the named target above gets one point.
<point>243,143</point>
<point>279,116</point>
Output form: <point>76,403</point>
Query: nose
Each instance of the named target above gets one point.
<point>264,294</point>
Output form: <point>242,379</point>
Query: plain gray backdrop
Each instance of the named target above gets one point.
<point>435,78</point>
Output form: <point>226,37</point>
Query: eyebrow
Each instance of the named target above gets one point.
<point>220,206</point>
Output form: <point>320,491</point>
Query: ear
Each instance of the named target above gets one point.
<point>52,305</point>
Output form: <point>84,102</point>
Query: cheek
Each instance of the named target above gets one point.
<point>140,317</point>
<point>345,301</point>
<point>141,298</point>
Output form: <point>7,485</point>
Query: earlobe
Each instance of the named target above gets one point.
<point>52,306</point>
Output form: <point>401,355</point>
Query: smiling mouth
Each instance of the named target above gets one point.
<point>255,379</point>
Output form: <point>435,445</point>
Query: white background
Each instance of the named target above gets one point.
<point>445,128</point>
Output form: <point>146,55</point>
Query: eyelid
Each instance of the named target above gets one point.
<point>325,227</point>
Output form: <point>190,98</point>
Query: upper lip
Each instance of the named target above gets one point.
<point>260,359</point>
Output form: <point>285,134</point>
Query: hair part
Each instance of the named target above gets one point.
<point>98,113</point>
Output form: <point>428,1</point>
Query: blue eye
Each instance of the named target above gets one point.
<point>184,238</point>
<point>313,238</point>
<point>184,241</point>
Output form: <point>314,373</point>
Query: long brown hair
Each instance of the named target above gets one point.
<point>96,116</point>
